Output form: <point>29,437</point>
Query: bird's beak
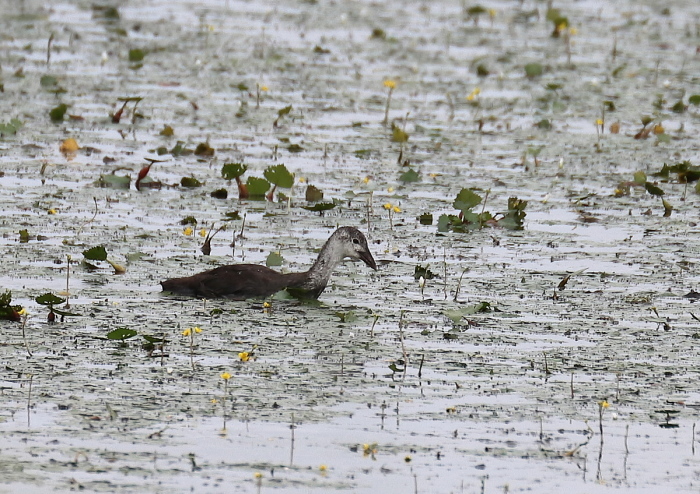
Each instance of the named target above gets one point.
<point>367,258</point>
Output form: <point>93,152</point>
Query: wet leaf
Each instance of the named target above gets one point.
<point>167,131</point>
<point>188,220</point>
<point>544,124</point>
<point>295,148</point>
<point>348,316</point>
<point>668,208</point>
<point>232,216</point>
<point>49,299</point>
<point>313,194</point>
<point>274,259</point>
<point>363,154</point>
<point>113,181</point>
<point>279,175</point>
<point>98,253</point>
<point>58,113</point>
<point>694,100</point>
<point>121,334</point>
<point>410,176</point>
<point>565,279</point>
<point>190,182</point>
<point>284,111</point>
<point>231,171</point>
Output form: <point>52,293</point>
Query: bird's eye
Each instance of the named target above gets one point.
<point>356,241</point>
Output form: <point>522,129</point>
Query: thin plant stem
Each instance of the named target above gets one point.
<point>24,334</point>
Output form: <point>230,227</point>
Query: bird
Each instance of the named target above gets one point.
<point>244,281</point>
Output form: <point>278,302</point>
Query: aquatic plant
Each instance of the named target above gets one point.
<point>391,85</point>
<point>50,300</point>
<point>99,253</point>
<point>7,310</point>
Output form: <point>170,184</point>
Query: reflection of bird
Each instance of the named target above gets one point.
<point>242,281</point>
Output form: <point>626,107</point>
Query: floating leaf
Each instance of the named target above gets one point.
<point>232,216</point>
<point>694,100</point>
<point>167,131</point>
<point>49,299</point>
<point>295,148</point>
<point>668,208</point>
<point>425,219</point>
<point>190,182</point>
<point>98,253</point>
<point>11,127</point>
<point>363,154</point>
<point>423,272</point>
<point>533,70</point>
<point>348,316</point>
<point>231,171</point>
<point>121,334</point>
<point>23,236</point>
<point>136,55</point>
<point>113,181</point>
<point>319,207</point>
<point>410,176</point>
<point>58,113</point>
<point>274,259</point>
<point>280,176</point>
<point>544,124</point>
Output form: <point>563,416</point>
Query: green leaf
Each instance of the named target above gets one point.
<point>121,334</point>
<point>410,176</point>
<point>232,216</point>
<point>188,220</point>
<point>665,138</point>
<point>257,187</point>
<point>230,171</point>
<point>348,316</point>
<point>295,148</point>
<point>544,124</point>
<point>425,219</point>
<point>668,208</point>
<point>319,207</point>
<point>466,199</point>
<point>58,113</point>
<point>274,259</point>
<point>98,253</point>
<point>279,175</point>
<point>136,55</point>
<point>112,181</point>
<point>49,299</point>
<point>153,339</point>
<point>398,135</point>
<point>64,313</point>
<point>533,70</point>
<point>426,273</point>
<point>313,194</point>
<point>205,150</point>
<point>694,100</point>
<point>679,107</point>
<point>11,127</point>
<point>284,111</point>
<point>48,81</point>
<point>167,131</point>
<point>653,189</point>
<point>363,154</point>
<point>190,182</point>
<point>640,178</point>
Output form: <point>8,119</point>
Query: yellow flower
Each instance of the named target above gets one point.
<point>52,211</point>
<point>388,205</point>
<point>244,356</point>
<point>659,129</point>
<point>203,232</point>
<point>257,475</point>
<point>492,13</point>
<point>188,231</point>
<point>197,330</point>
<point>473,94</point>
<point>390,84</point>
<point>390,190</point>
<point>323,468</point>
<point>302,180</point>
<point>264,88</point>
<point>604,404</point>
<point>266,305</point>
<point>187,332</point>
<point>366,180</point>
<point>562,26</point>
<point>22,311</point>
<point>407,459</point>
<point>599,121</point>
<point>214,401</point>
<point>225,376</point>
<point>397,209</point>
<point>573,31</point>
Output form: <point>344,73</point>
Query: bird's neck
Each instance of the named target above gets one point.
<point>320,273</point>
